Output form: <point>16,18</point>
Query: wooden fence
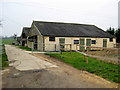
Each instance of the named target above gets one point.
<point>103,48</point>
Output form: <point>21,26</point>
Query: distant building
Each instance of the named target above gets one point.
<point>24,36</point>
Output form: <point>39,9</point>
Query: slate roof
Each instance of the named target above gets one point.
<point>26,30</point>
<point>59,29</point>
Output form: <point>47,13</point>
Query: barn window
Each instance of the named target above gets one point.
<point>76,41</point>
<point>93,41</point>
<point>62,40</point>
<point>111,39</point>
<point>51,38</point>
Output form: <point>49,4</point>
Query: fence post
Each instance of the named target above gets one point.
<point>87,58</point>
<point>32,47</point>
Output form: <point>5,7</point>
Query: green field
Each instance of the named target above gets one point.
<point>7,41</point>
<point>98,67</point>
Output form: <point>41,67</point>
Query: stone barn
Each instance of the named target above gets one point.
<point>24,36</point>
<point>50,36</point>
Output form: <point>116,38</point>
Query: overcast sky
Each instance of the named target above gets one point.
<point>17,14</point>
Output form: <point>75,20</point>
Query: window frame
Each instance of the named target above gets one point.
<point>110,39</point>
<point>51,39</point>
<point>77,42</point>
<point>93,42</point>
<point>60,40</point>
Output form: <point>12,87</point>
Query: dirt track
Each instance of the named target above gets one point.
<point>106,55</point>
<point>63,76</point>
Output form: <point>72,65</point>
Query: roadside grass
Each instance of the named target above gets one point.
<point>25,48</point>
<point>106,70</point>
<point>3,58</point>
<point>8,41</point>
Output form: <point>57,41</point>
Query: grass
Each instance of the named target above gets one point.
<point>4,58</point>
<point>98,67</point>
<point>7,41</point>
<point>25,48</point>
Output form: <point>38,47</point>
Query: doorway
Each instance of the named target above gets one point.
<point>35,42</point>
<point>62,42</point>
<point>104,42</point>
<point>88,43</point>
<point>82,42</point>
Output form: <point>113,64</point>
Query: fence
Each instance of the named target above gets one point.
<point>100,48</point>
<point>108,54</point>
<point>46,47</point>
<point>111,53</point>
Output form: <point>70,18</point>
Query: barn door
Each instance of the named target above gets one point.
<point>104,42</point>
<point>35,42</point>
<point>88,42</point>
<point>82,42</point>
<point>62,42</point>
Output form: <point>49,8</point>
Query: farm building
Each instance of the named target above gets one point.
<point>50,36</point>
<point>24,36</point>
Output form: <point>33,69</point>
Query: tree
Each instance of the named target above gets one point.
<point>117,34</point>
<point>114,32</point>
<point>111,31</point>
<point>15,36</point>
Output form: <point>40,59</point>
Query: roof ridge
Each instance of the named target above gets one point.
<point>26,27</point>
<point>62,23</point>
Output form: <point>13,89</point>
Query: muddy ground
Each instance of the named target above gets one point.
<point>106,55</point>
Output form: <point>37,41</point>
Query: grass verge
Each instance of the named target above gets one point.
<point>98,67</point>
<point>25,48</point>
<point>3,58</point>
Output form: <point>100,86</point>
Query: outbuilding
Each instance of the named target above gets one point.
<point>24,36</point>
<point>50,36</point>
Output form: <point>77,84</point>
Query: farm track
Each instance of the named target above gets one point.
<point>63,76</point>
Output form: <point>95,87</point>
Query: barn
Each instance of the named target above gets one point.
<point>24,35</point>
<point>51,36</point>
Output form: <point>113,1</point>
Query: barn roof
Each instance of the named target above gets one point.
<point>26,30</point>
<point>59,29</point>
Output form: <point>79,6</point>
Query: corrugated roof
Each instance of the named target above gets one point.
<point>70,30</point>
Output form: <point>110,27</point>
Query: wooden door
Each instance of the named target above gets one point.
<point>104,42</point>
<point>82,42</point>
<point>62,42</point>
<point>88,42</point>
<point>35,42</point>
